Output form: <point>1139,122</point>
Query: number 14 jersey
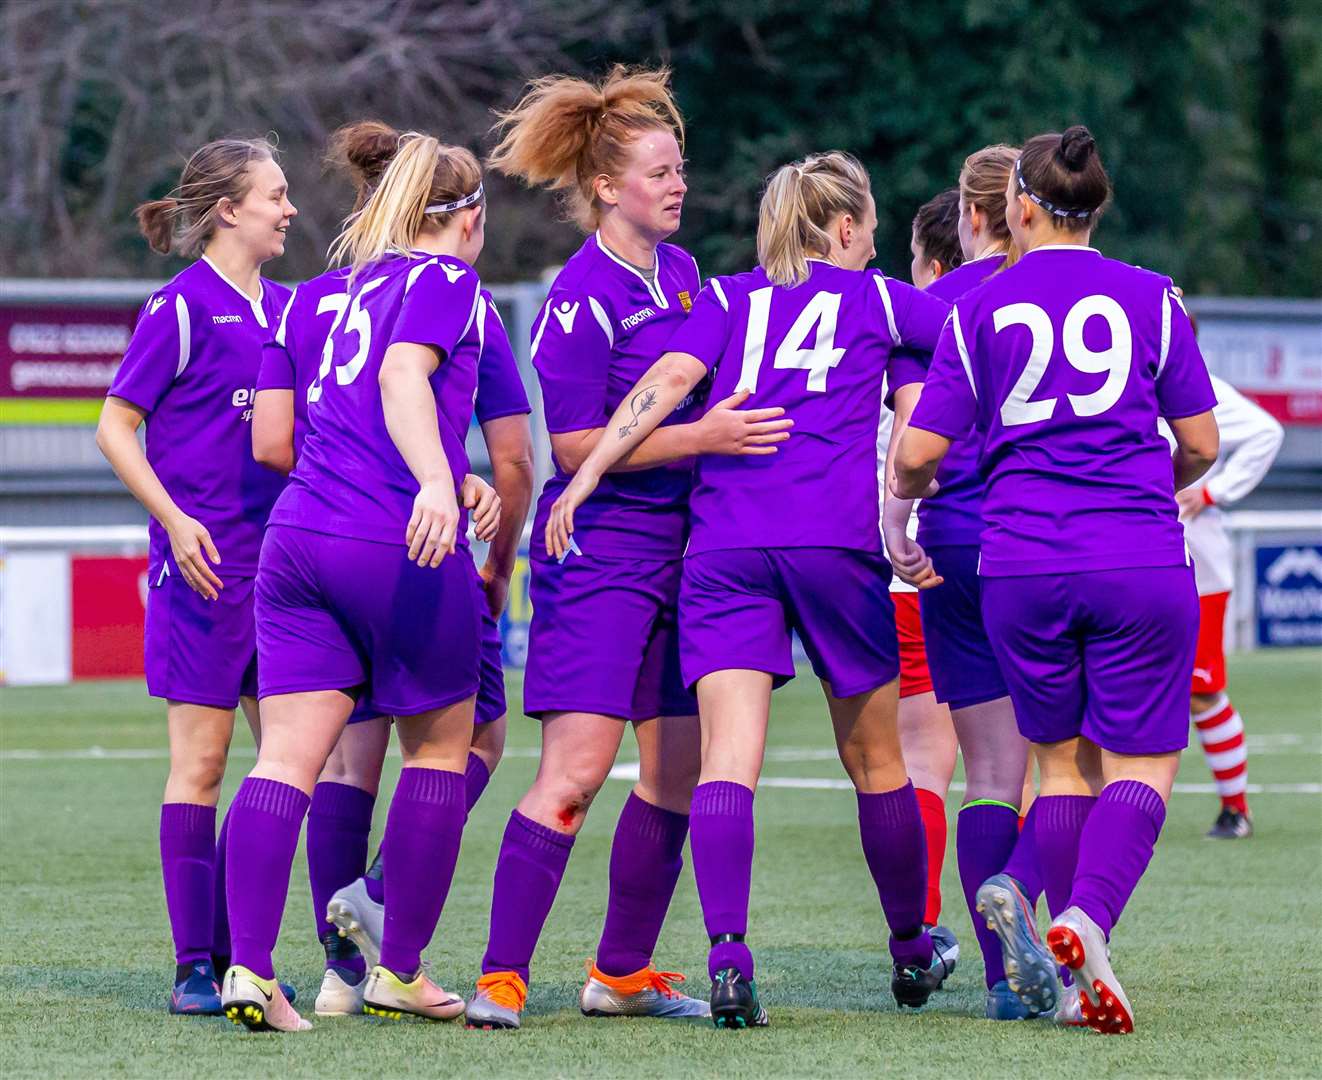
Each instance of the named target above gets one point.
<point>818,350</point>
<point>1060,366</point>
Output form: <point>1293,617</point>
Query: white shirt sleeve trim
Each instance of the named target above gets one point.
<point>284,317</point>
<point>1165,330</point>
<point>599,313</point>
<point>890,310</point>
<point>185,333</point>
<point>720,293</point>
<point>963,351</point>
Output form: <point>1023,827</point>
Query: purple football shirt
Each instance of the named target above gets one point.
<point>954,514</point>
<point>820,352</point>
<point>350,479</point>
<point>291,358</point>
<point>1063,363</point>
<point>603,326</point>
<point>191,366</point>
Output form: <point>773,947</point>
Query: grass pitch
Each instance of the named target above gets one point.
<point>1220,950</point>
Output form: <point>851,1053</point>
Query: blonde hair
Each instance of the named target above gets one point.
<point>799,202</point>
<point>424,172</point>
<point>982,183</point>
<point>184,220</point>
<point>565,132</point>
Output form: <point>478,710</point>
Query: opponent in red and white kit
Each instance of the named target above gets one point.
<point>1250,440</point>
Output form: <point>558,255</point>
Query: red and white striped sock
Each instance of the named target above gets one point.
<point>1221,732</point>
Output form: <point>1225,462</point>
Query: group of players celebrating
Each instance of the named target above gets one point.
<point>717,485</point>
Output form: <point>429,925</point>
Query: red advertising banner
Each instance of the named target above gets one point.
<point>109,611</point>
<point>61,350</point>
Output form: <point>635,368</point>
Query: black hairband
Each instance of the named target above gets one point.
<point>1046,205</point>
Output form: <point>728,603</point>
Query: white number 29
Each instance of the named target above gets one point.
<point>1115,360</point>
<point>821,311</point>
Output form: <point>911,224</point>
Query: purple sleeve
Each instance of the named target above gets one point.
<point>499,388</point>
<point>948,405</point>
<point>571,350</point>
<point>1183,385</point>
<point>707,329</point>
<point>918,316</point>
<point>276,371</point>
<point>158,352</point>
<point>905,366</point>
<point>437,309</point>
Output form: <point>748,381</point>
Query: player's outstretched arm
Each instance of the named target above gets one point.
<point>652,399</point>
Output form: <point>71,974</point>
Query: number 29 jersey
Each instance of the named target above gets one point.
<point>350,479</point>
<point>1062,365</point>
<point>818,350</point>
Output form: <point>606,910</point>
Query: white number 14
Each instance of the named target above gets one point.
<point>822,310</point>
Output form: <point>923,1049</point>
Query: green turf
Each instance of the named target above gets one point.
<point>1219,950</point>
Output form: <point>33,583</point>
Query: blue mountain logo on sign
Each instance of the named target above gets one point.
<point>1289,595</point>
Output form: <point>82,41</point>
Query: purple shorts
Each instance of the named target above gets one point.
<point>1106,654</point>
<point>604,639</point>
<point>738,607</point>
<point>963,665</point>
<point>200,652</point>
<point>341,614</point>
<point>491,688</point>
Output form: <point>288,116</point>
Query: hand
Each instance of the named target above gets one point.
<point>192,547</point>
<point>481,498</point>
<point>434,524</point>
<point>1191,503</point>
<point>560,525</point>
<point>912,564</point>
<point>728,429</point>
<point>496,587</point>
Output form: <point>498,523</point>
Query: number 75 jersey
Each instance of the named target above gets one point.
<point>820,351</point>
<point>1061,366</point>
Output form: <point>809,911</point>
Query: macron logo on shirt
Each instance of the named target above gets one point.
<point>630,321</point>
<point>156,302</point>
<point>226,319</point>
<point>454,273</point>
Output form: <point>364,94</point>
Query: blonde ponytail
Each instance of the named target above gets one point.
<point>423,172</point>
<point>800,201</point>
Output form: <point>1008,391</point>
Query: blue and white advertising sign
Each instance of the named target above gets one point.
<point>1289,597</point>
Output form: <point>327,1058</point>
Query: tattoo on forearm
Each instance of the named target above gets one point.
<point>639,404</point>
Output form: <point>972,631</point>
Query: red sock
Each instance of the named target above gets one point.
<point>932,809</point>
<point>1221,733</point>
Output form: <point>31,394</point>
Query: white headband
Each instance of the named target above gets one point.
<point>458,204</point>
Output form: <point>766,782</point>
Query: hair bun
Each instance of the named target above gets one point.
<point>366,147</point>
<point>1076,146</point>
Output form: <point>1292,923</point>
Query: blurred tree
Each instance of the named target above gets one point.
<point>1206,111</point>
<point>101,101</point>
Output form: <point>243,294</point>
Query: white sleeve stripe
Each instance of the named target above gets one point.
<point>284,316</point>
<point>720,293</point>
<point>890,311</point>
<point>963,351</point>
<point>602,320</point>
<point>185,333</point>
<point>481,324</point>
<point>1165,329</point>
<point>541,329</point>
<point>472,312</point>
<point>416,272</point>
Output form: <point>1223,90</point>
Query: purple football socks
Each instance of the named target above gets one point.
<point>1116,848</point>
<point>1056,834</point>
<point>265,819</point>
<point>985,835</point>
<point>339,825</point>
<point>476,778</point>
<point>647,855</point>
<point>895,847</point>
<point>1023,865</point>
<point>421,846</point>
<point>220,915</point>
<point>528,871</point>
<point>721,830</point>
<point>188,854</point>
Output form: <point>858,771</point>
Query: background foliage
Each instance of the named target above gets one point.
<point>1207,112</point>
